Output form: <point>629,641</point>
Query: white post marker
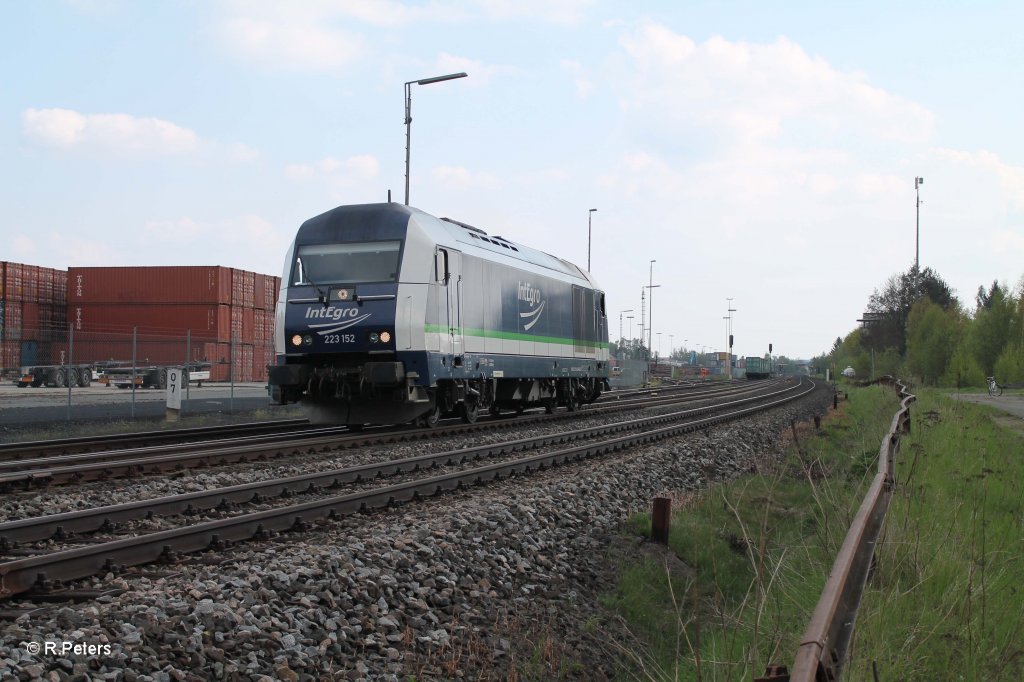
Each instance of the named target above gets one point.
<point>173,393</point>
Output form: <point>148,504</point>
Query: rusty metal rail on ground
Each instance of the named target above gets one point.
<point>823,648</point>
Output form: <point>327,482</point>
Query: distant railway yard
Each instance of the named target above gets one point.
<point>378,553</point>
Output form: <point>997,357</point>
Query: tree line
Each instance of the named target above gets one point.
<point>915,326</point>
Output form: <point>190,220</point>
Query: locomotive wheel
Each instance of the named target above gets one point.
<point>432,418</point>
<point>549,406</point>
<point>494,410</point>
<point>571,403</point>
<point>469,411</point>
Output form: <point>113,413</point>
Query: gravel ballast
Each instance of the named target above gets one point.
<point>490,582</point>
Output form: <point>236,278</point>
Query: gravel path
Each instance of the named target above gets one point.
<point>493,582</point>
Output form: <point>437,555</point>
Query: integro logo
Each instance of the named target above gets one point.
<point>339,318</point>
<point>331,313</point>
<point>533,296</point>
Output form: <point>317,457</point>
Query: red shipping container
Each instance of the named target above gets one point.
<point>236,324</point>
<point>259,325</point>
<point>12,320</point>
<point>10,355</point>
<point>260,291</point>
<point>205,321</point>
<point>243,286</point>
<point>248,325</point>
<point>30,320</point>
<point>60,287</point>
<point>244,363</point>
<point>13,282</point>
<point>147,352</point>
<point>173,284</point>
<point>30,277</point>
<point>262,356</point>
<point>267,287</point>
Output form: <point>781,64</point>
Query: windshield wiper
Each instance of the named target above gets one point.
<point>305,279</point>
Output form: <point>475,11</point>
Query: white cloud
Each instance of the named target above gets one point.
<point>563,12</point>
<point>460,178</point>
<point>287,41</point>
<point>756,92</point>
<point>355,168</point>
<point>66,129</point>
<point>333,34</point>
<point>480,74</point>
<point>1007,241</point>
<point>580,79</point>
<point>22,247</point>
<point>1011,178</point>
<point>250,242</point>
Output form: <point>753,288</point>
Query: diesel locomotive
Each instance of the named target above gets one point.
<point>388,315</point>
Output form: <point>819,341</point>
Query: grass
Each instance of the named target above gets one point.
<point>747,559</point>
<point>947,598</point>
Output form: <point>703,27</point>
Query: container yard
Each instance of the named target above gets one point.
<point>150,315</point>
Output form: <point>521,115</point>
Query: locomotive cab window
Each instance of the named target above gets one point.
<point>347,263</point>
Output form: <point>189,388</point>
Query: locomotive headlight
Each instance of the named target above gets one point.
<point>374,337</point>
<point>297,340</point>
<point>385,337</point>
<point>308,339</point>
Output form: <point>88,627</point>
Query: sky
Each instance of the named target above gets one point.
<point>763,152</point>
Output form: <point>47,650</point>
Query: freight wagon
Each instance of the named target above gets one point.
<point>758,368</point>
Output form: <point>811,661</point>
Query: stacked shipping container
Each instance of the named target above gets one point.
<point>33,309</point>
<point>219,306</point>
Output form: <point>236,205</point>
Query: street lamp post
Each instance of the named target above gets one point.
<point>671,345</point>
<point>408,117</point>
<point>620,320</point>
<point>918,181</point>
<point>630,318</point>
<point>728,339</point>
<point>590,214</point>
<point>650,312</point>
<point>659,346</point>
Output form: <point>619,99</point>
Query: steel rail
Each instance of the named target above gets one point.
<point>65,446</point>
<point>22,574</point>
<point>25,449</point>
<point>21,463</point>
<point>825,644</point>
<point>161,459</point>
<point>89,520</point>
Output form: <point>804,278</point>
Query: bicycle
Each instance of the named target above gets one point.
<point>994,389</point>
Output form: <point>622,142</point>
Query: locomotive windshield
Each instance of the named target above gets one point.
<point>346,263</point>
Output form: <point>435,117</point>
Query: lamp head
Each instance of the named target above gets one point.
<point>438,79</point>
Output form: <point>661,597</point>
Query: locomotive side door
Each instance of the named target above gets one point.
<point>449,302</point>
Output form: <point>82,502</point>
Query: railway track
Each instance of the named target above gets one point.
<point>503,459</point>
<point>68,446</point>
<point>168,458</point>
